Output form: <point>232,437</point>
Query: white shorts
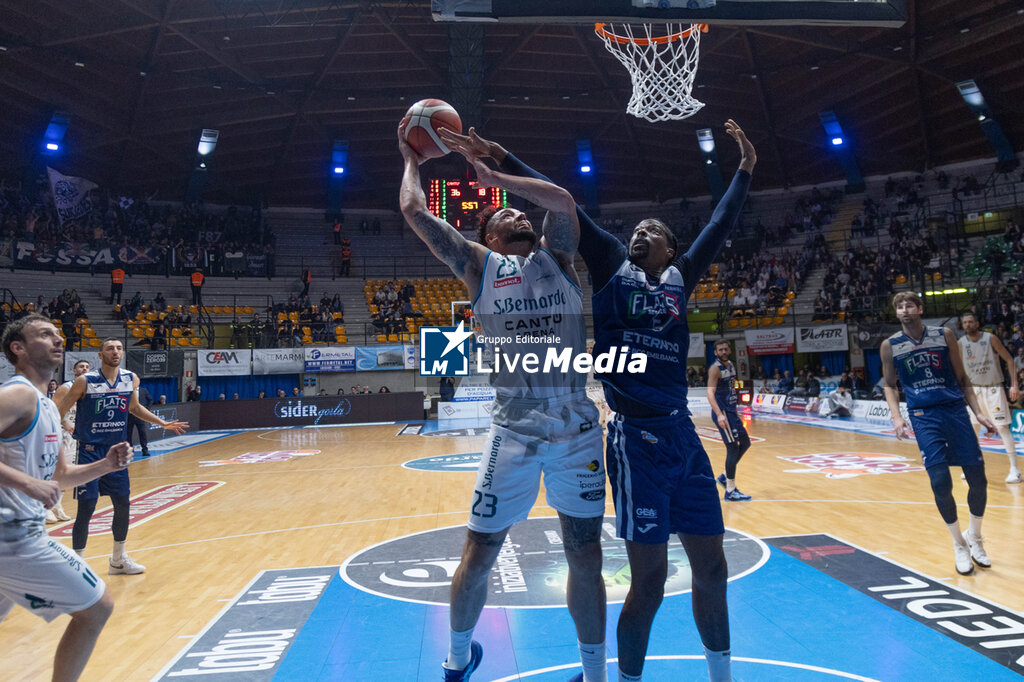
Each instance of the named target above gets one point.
<point>992,400</point>
<point>46,578</point>
<point>70,448</point>
<point>559,438</point>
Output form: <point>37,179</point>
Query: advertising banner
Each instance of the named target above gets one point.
<point>1016,425</point>
<point>769,341</point>
<point>158,363</point>
<point>802,404</point>
<point>278,360</point>
<point>234,362</point>
<point>380,357</point>
<point>330,359</point>
<point>73,356</point>
<point>822,338</point>
<point>769,402</point>
<point>871,334</point>
<point>312,411</point>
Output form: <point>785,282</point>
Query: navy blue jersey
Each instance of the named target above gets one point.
<point>101,414</point>
<point>925,369</point>
<point>725,390</point>
<point>646,315</point>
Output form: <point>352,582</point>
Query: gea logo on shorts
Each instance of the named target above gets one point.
<point>851,464</point>
<point>530,572</point>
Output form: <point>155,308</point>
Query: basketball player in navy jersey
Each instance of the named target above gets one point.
<point>661,476</point>
<point>540,424</point>
<point>102,400</point>
<point>37,572</point>
<point>927,362</point>
<point>722,396</point>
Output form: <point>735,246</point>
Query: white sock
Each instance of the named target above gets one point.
<point>623,677</point>
<point>730,485</point>
<point>974,525</point>
<point>459,653</point>
<point>1011,447</point>
<point>958,536</point>
<point>594,660</point>
<point>719,665</point>
<point>118,554</point>
<point>79,552</point>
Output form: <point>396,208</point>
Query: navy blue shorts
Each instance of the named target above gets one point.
<point>662,481</point>
<point>736,429</point>
<point>114,484</point>
<point>945,435</point>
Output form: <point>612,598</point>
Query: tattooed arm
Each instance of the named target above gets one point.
<point>465,258</point>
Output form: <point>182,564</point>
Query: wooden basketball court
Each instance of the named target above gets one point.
<point>344,488</point>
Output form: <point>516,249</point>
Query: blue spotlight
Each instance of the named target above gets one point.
<point>338,170</point>
<point>585,169</point>
<point>837,141</point>
<point>52,146</point>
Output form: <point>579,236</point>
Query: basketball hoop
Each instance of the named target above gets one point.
<point>662,62</point>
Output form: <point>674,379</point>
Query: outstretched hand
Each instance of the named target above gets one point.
<point>484,175</point>
<point>408,153</point>
<point>179,427</point>
<point>472,144</point>
<point>747,150</point>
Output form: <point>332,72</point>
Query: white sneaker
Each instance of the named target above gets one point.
<point>964,566</point>
<point>1013,477</point>
<point>50,516</point>
<point>977,549</point>
<point>126,566</point>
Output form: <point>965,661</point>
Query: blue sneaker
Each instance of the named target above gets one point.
<point>735,495</point>
<point>721,480</point>
<point>578,677</point>
<point>476,655</point>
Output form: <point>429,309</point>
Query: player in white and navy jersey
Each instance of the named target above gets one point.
<point>723,399</point>
<point>67,432</point>
<point>927,362</point>
<point>36,572</point>
<point>102,400</point>
<point>662,481</point>
<point>981,353</point>
<point>527,294</point>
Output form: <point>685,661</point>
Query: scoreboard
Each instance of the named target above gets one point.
<point>459,201</point>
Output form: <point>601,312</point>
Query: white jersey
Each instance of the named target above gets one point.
<point>529,305</point>
<point>34,453</point>
<point>981,361</point>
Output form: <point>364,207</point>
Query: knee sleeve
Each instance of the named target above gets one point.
<point>80,531</point>
<point>942,488</point>
<point>977,491</point>
<point>122,515</point>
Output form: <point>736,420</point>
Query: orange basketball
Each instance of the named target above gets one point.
<point>426,117</point>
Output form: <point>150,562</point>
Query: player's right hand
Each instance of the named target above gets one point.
<point>719,418</point>
<point>47,492</point>
<point>472,144</point>
<point>120,455</point>
<point>901,428</point>
<point>403,145</point>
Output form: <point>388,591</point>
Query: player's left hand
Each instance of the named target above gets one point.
<point>1014,394</point>
<point>403,145</point>
<point>749,154</point>
<point>179,427</point>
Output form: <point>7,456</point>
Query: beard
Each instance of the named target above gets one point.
<point>522,236</point>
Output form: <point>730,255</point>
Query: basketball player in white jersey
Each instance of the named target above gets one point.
<point>981,352</point>
<point>541,423</point>
<point>37,572</point>
<point>70,444</point>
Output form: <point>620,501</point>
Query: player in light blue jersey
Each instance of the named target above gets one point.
<point>36,572</point>
<point>540,425</point>
<point>927,362</point>
<point>662,481</point>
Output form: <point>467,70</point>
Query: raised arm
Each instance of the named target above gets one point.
<point>602,253</point>
<point>708,244</point>
<point>465,258</point>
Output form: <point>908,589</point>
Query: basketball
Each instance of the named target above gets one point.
<point>426,117</point>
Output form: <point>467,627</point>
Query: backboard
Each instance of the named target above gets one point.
<point>884,13</point>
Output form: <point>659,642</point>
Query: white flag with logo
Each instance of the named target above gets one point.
<point>70,195</point>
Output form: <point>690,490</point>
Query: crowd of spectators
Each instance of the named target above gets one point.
<point>321,319</point>
<point>195,393</point>
<point>393,307</point>
<point>760,281</point>
<point>144,236</point>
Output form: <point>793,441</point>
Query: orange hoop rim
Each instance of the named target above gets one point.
<point>599,29</point>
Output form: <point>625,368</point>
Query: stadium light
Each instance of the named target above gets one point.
<point>339,156</point>
<point>55,131</point>
<point>836,141</point>
<point>706,140</point>
<point>53,146</point>
<point>585,156</point>
<point>971,93</point>
<point>207,141</point>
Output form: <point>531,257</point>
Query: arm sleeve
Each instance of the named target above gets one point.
<point>709,242</point>
<point>602,253</point>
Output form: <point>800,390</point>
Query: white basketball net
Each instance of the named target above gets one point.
<point>662,62</point>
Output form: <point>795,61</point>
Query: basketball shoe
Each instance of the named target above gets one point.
<point>476,655</point>
<point>735,495</point>
<point>978,553</point>
<point>126,566</point>
<point>1013,476</point>
<point>721,480</point>
<point>964,566</point>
